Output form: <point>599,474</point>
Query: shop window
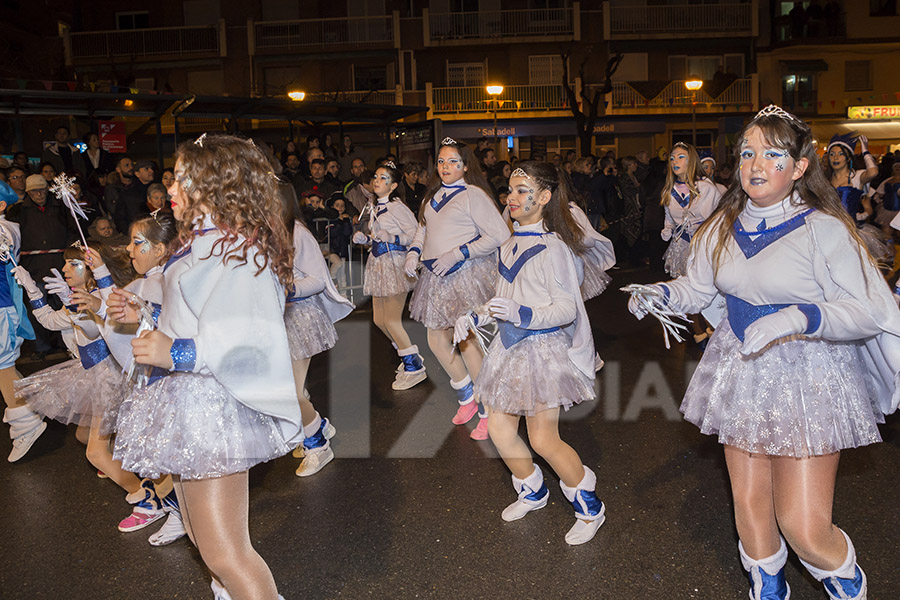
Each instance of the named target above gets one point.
<point>799,92</point>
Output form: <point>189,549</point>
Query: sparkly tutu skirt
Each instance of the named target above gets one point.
<point>676,256</point>
<point>190,425</point>
<point>438,301</point>
<point>309,330</point>
<point>596,279</point>
<point>71,394</point>
<point>385,275</point>
<point>510,382</point>
<point>798,398</point>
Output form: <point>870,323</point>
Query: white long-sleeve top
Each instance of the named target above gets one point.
<point>808,258</point>
<point>78,328</point>
<point>311,275</point>
<point>392,222</point>
<point>537,271</point>
<point>118,335</point>
<point>596,244</point>
<point>695,210</point>
<point>228,321</point>
<point>454,216</point>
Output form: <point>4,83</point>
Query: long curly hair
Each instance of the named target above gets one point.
<point>691,174</point>
<point>472,175</point>
<point>230,179</point>
<point>557,215</point>
<point>813,189</point>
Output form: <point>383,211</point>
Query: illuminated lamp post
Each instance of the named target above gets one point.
<point>494,91</point>
<point>693,84</point>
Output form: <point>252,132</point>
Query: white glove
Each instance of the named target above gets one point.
<point>666,234</point>
<point>23,278</point>
<point>446,261</point>
<point>505,309</point>
<point>862,216</point>
<point>637,309</point>
<point>764,331</point>
<point>57,285</point>
<point>411,264</point>
<point>360,238</point>
<point>461,329</point>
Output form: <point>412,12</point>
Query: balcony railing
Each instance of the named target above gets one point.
<point>130,43</point>
<point>502,24</point>
<point>300,34</point>
<point>513,98</point>
<point>627,21</point>
<point>388,97</point>
<point>674,94</point>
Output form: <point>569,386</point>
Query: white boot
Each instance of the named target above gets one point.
<point>590,512</point>
<point>533,494</point>
<point>847,582</point>
<point>413,371</point>
<point>219,592</point>
<point>767,575</point>
<point>25,427</point>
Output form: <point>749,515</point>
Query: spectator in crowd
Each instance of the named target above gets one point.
<point>48,171</point>
<point>289,148</point>
<point>643,165</point>
<point>132,200</point>
<point>349,154</point>
<point>311,155</point>
<point>361,193</point>
<point>488,159</point>
<point>333,172</point>
<point>312,142</point>
<point>46,227</point>
<point>62,155</point>
<point>317,214</point>
<point>157,199</point>
<point>95,157</point>
<point>20,159</point>
<point>168,177</point>
<point>652,246</point>
<point>292,169</point>
<point>797,17</point>
<point>119,180</point>
<point>327,145</point>
<point>482,144</point>
<point>500,179</point>
<point>571,156</point>
<point>568,167</point>
<point>556,160</point>
<point>887,200</point>
<point>86,199</point>
<point>339,241</point>
<point>413,191</point>
<point>317,181</point>
<point>630,226</point>
<point>502,195</point>
<point>16,177</point>
<point>96,184</point>
<point>268,151</point>
<point>104,231</point>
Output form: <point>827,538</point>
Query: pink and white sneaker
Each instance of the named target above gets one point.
<point>464,413</point>
<point>145,511</point>
<point>481,431</point>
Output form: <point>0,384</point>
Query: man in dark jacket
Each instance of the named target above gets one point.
<point>133,199</point>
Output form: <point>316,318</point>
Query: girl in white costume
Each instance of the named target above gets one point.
<point>708,166</point>
<point>805,362</point>
<point>689,199</point>
<point>853,189</point>
<point>222,396</point>
<point>312,308</point>
<point>83,390</point>
<point>391,229</point>
<point>148,248</point>
<point>542,321</point>
<point>459,232</point>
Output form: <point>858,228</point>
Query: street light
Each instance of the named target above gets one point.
<point>296,95</point>
<point>495,90</point>
<point>693,84</point>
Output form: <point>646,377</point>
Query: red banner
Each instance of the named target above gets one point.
<point>112,136</point>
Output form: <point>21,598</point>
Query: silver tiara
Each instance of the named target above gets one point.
<point>199,140</point>
<point>776,111</point>
<point>389,163</point>
<point>77,244</point>
<point>155,214</point>
<point>448,141</point>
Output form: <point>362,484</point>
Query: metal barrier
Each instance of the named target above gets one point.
<point>145,42</point>
<point>501,23</point>
<point>355,31</point>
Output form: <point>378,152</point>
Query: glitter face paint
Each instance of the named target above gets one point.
<point>522,202</point>
<point>450,165</point>
<point>770,172</point>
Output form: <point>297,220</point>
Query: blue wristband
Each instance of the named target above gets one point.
<point>38,303</point>
<point>184,354</point>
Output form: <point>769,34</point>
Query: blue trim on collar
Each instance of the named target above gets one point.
<point>437,206</point>
<point>529,233</point>
<point>751,248</point>
<point>509,273</point>
<point>682,201</point>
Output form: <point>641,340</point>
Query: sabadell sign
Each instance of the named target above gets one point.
<point>871,113</point>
